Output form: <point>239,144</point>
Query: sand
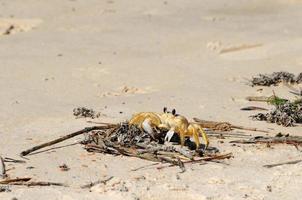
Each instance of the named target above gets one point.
<point>194,56</point>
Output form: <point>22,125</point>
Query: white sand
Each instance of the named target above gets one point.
<point>193,55</point>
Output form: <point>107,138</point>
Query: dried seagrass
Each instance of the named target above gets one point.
<point>85,112</point>
<point>275,78</point>
<point>287,114</point>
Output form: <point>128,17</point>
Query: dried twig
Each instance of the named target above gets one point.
<point>153,149</point>
<point>39,183</point>
<point>294,140</point>
<point>252,108</point>
<point>224,126</point>
<point>208,158</point>
<point>6,159</point>
<point>13,180</point>
<point>143,167</point>
<point>85,130</point>
<point>90,185</point>
<point>258,98</point>
<point>283,163</point>
<point>2,168</point>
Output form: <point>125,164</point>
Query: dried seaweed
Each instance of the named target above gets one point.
<point>299,78</point>
<point>275,78</point>
<point>129,140</point>
<point>85,112</point>
<point>286,114</point>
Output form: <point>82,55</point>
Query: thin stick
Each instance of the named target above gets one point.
<point>257,98</point>
<point>96,182</point>
<point>283,163</point>
<point>7,181</point>
<point>2,168</point>
<point>225,125</point>
<point>249,129</point>
<point>216,157</point>
<point>85,130</point>
<point>143,167</point>
<point>6,159</point>
<point>39,183</point>
<point>287,140</point>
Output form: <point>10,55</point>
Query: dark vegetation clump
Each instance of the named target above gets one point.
<point>275,78</point>
<point>299,78</point>
<point>85,112</point>
<point>285,114</point>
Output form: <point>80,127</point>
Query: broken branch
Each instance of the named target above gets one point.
<point>85,130</point>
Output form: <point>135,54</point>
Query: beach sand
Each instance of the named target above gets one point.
<point>194,56</point>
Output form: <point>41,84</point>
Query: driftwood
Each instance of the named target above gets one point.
<point>2,168</point>
<point>85,130</point>
<point>223,126</point>
<point>283,163</point>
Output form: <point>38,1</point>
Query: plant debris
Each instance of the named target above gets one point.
<point>275,78</point>
<point>249,108</point>
<point>223,126</point>
<point>278,139</point>
<point>285,114</point>
<point>64,167</point>
<point>85,113</point>
<point>129,140</point>
<point>5,188</point>
<point>283,163</point>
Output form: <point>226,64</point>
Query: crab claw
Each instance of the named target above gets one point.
<point>169,135</point>
<point>146,125</point>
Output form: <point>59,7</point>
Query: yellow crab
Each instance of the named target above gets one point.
<point>171,121</point>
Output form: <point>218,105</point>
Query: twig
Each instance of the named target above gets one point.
<point>259,139</point>
<point>180,150</point>
<point>7,181</point>
<point>283,163</point>
<point>226,134</point>
<point>85,130</point>
<point>224,126</point>
<point>215,157</point>
<point>249,108</point>
<point>6,159</point>
<point>2,168</point>
<point>143,167</point>
<point>39,183</point>
<point>181,165</point>
<point>96,182</point>
<point>258,98</point>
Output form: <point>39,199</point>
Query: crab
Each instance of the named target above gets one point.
<point>175,123</point>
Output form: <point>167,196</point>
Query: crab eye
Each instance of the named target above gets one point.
<point>165,109</point>
<point>173,111</point>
